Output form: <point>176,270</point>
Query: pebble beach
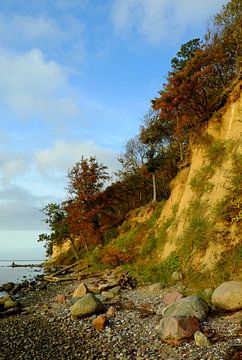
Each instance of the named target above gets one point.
<point>45,330</point>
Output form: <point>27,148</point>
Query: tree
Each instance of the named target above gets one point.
<point>57,221</point>
<point>86,206</point>
<point>155,135</point>
<point>185,54</point>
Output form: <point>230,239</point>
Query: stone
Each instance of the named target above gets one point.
<point>8,286</point>
<point>16,289</point>
<point>201,340</point>
<point>60,298</point>
<point>177,327</point>
<point>87,305</point>
<point>176,276</point>
<point>155,288</point>
<point>81,290</point>
<point>228,295</point>
<point>42,285</point>
<point>116,290</point>
<point>188,306</point>
<point>9,304</point>
<point>236,317</point>
<point>108,294</point>
<point>172,296</point>
<point>101,297</point>
<point>111,311</point>
<point>100,322</point>
<point>4,299</point>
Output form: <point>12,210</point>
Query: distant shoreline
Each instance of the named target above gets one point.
<point>21,260</point>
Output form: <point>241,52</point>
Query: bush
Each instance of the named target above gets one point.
<point>115,257</point>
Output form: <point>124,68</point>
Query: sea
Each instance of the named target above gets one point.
<point>18,274</point>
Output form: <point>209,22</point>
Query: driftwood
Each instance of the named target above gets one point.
<point>9,312</point>
<point>54,278</point>
<point>78,276</point>
<point>68,268</point>
<point>144,310</point>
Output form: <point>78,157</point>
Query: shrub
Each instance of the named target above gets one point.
<point>115,257</point>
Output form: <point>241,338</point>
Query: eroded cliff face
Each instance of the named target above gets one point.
<point>190,232</point>
<point>194,227</point>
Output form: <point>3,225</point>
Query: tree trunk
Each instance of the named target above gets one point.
<point>74,249</point>
<point>154,187</point>
<point>86,246</point>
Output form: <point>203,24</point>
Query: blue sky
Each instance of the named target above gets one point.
<point>76,78</point>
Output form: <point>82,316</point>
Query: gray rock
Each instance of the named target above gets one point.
<point>9,304</point>
<point>201,340</point>
<point>155,288</point>
<point>8,286</point>
<point>228,295</point>
<point>108,294</point>
<point>101,297</point>
<point>189,306</point>
<point>177,327</point>
<point>87,305</point>
<point>116,290</point>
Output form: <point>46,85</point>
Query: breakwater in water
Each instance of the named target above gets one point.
<point>23,270</point>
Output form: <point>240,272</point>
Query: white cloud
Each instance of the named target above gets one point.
<point>12,164</point>
<point>28,28</point>
<point>159,20</point>
<point>61,37</point>
<point>33,87</point>
<point>63,155</point>
<point>20,210</point>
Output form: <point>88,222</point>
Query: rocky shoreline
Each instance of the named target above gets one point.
<point>44,328</point>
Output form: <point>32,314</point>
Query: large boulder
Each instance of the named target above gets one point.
<point>188,306</point>
<point>87,305</point>
<point>228,295</point>
<point>177,327</point>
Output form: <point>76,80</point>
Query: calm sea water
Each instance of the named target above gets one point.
<point>18,274</point>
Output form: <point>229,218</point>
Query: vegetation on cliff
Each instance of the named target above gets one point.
<point>202,76</point>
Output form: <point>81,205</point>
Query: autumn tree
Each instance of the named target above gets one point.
<point>86,204</point>
<point>201,73</point>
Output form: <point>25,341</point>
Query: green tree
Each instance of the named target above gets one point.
<point>56,219</point>
<point>185,54</point>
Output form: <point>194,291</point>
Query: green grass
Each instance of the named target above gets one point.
<point>200,183</point>
<point>125,241</point>
<point>229,208</point>
<point>217,152</point>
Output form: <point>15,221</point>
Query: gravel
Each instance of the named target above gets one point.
<point>44,330</point>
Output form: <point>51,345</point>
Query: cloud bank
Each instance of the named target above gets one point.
<point>160,20</point>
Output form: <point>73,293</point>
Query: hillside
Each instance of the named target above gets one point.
<point>197,230</point>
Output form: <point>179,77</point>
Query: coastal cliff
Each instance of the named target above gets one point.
<point>196,231</point>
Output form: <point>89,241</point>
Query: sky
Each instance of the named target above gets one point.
<point>76,78</point>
